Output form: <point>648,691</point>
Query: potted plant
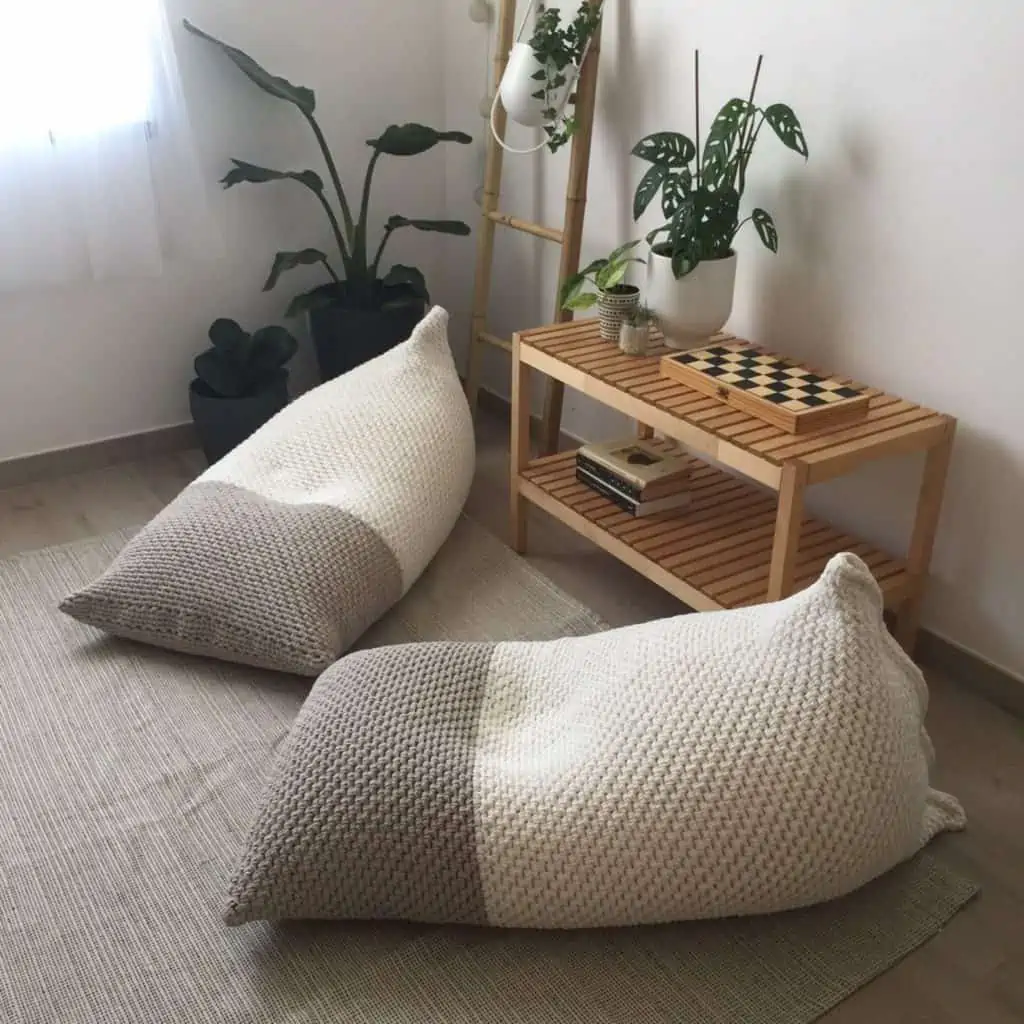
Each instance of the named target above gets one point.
<point>363,310</point>
<point>692,269</point>
<point>541,74</point>
<point>635,332</point>
<point>241,383</point>
<point>614,298</point>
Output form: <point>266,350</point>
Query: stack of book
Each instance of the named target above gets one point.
<point>641,477</point>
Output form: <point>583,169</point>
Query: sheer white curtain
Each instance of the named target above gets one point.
<point>98,174</point>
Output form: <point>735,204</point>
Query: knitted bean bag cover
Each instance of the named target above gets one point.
<point>285,551</point>
<point>710,765</point>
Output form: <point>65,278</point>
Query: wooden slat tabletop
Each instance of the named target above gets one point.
<point>580,346</point>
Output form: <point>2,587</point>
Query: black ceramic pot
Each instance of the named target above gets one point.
<point>346,338</point>
<point>224,423</point>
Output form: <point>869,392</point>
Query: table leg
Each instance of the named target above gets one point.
<point>644,432</point>
<point>787,530</point>
<point>922,540</point>
<point>551,424</point>
<point>520,455</point>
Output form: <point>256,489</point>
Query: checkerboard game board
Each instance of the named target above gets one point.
<point>779,390</point>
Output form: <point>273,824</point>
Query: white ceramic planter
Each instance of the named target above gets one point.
<point>691,309</point>
<point>634,340</point>
<point>518,86</point>
<point>613,308</point>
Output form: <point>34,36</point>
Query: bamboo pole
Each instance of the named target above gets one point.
<point>491,196</point>
<point>575,212</point>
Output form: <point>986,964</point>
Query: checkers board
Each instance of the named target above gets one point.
<point>777,390</point>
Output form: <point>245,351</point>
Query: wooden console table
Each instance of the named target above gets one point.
<point>742,541</point>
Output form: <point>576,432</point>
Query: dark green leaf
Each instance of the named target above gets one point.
<point>413,139</point>
<point>723,137</point>
<point>252,173</point>
<point>444,227</point>
<point>653,235</point>
<point>703,227</point>
<point>227,335</point>
<point>787,126</point>
<point>303,98</point>
<point>675,190</point>
<point>667,149</point>
<point>411,278</point>
<point>648,189</point>
<point>219,374</point>
<point>273,347</point>
<point>285,261</point>
<point>766,229</point>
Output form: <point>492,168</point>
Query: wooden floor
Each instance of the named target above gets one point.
<point>973,972</point>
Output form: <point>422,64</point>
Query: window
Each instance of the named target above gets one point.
<point>74,67</point>
<point>87,191</point>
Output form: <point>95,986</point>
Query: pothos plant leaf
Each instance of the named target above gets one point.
<point>244,172</point>
<point>413,139</point>
<point>612,275</point>
<point>766,229</point>
<point>667,149</point>
<point>674,191</point>
<point>648,189</point>
<point>723,136</point>
<point>572,287</point>
<point>302,97</point>
<point>616,254</point>
<point>285,261</point>
<point>585,300</point>
<point>787,127</point>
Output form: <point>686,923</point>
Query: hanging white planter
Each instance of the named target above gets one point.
<point>691,309</point>
<point>518,89</point>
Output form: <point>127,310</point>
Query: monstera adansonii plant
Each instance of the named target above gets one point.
<point>357,279</point>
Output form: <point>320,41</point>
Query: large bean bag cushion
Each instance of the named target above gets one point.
<point>705,766</point>
<point>286,550</point>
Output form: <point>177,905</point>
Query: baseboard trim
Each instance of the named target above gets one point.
<point>977,673</point>
<point>963,666</point>
<point>82,458</point>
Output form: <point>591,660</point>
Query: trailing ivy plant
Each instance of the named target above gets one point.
<point>701,194</point>
<point>559,49</point>
<point>361,283</point>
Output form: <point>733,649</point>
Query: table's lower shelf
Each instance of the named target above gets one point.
<point>714,554</point>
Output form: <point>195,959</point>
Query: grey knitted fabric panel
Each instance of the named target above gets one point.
<point>370,814</point>
<point>227,573</point>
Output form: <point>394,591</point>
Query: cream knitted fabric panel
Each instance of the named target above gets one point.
<point>395,448</point>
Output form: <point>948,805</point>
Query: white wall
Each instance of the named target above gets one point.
<point>97,360</point>
<point>902,257</point>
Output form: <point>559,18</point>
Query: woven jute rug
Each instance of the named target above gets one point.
<point>128,777</point>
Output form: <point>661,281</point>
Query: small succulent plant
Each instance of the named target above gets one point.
<point>241,364</point>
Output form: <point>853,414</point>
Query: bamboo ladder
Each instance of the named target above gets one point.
<point>569,237</point>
